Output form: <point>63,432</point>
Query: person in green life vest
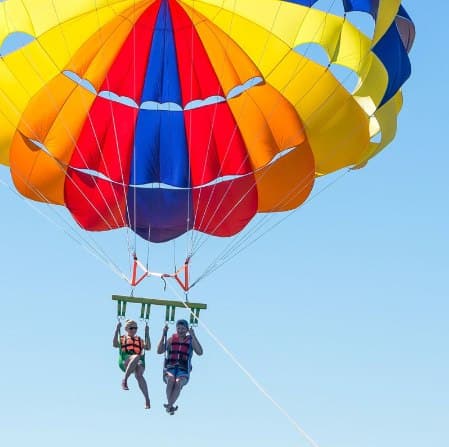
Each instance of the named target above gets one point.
<point>179,349</point>
<point>132,355</point>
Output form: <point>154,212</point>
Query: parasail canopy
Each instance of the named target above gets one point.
<point>167,116</point>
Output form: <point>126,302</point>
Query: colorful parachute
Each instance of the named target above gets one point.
<point>172,115</point>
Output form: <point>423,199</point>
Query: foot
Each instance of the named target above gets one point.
<point>170,409</point>
<point>147,405</point>
<point>124,385</point>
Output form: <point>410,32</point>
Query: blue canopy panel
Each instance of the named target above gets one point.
<point>391,51</point>
<point>161,151</point>
<point>160,214</point>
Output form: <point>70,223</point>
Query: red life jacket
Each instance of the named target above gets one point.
<point>179,352</point>
<point>131,345</point>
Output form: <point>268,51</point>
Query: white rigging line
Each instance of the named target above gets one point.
<point>203,237</point>
<point>249,233</point>
<point>189,145</point>
<point>239,241</point>
<point>134,149</point>
<point>232,251</point>
<point>250,376</point>
<point>94,247</point>
<point>58,163</point>
<point>98,145</point>
<point>67,129</point>
<point>99,252</point>
<point>117,143</point>
<point>234,130</point>
<point>206,158</point>
<point>208,148</point>
<point>91,246</point>
<point>51,97</point>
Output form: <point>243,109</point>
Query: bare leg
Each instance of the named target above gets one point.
<point>171,382</point>
<point>131,365</point>
<point>176,390</point>
<point>142,384</point>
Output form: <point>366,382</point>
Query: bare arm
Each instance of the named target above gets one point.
<point>115,343</point>
<point>197,348</point>
<point>147,345</point>
<point>161,346</point>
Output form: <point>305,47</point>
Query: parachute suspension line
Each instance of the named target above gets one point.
<point>148,245</point>
<point>95,248</point>
<point>189,248</point>
<point>90,247</point>
<point>234,247</point>
<point>268,216</point>
<point>62,168</point>
<point>113,119</point>
<point>223,198</point>
<point>59,164</point>
<point>228,148</point>
<point>230,252</point>
<point>215,108</point>
<point>189,144</point>
<point>235,127</point>
<point>181,275</point>
<point>134,158</point>
<point>204,238</point>
<point>174,255</point>
<point>294,190</point>
<point>247,234</point>
<point>101,154</point>
<point>134,152</point>
<point>251,377</point>
<point>131,248</point>
<point>237,242</point>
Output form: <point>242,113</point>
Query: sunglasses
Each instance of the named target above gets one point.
<point>132,328</point>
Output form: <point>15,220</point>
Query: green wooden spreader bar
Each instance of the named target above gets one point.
<point>170,307</point>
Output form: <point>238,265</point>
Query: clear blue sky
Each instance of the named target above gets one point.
<point>341,312</point>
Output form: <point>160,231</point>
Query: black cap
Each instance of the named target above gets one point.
<point>183,323</point>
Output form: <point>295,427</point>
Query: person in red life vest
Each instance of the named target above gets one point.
<point>132,355</point>
<point>179,349</point>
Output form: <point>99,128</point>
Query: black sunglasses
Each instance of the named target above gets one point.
<point>132,327</point>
